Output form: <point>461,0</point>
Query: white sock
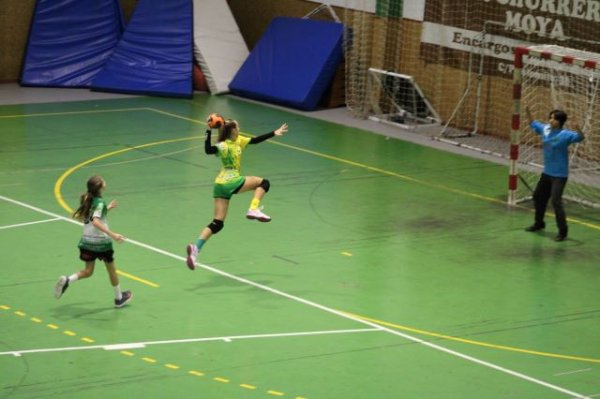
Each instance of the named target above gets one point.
<point>118,294</point>
<point>73,277</point>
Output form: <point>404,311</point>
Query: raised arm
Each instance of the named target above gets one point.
<point>578,130</point>
<point>278,132</point>
<point>528,115</point>
<point>208,147</point>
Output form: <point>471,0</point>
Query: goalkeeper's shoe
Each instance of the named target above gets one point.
<point>192,254</point>
<point>61,286</point>
<point>257,214</point>
<point>536,227</point>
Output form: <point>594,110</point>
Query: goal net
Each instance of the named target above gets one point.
<point>397,99</point>
<point>548,77</point>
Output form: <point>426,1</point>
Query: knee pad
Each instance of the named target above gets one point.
<point>265,184</point>
<point>215,226</point>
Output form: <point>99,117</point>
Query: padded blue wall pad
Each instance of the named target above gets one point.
<point>69,41</point>
<point>154,56</point>
<point>292,64</point>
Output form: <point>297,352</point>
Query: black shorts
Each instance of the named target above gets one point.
<point>88,256</point>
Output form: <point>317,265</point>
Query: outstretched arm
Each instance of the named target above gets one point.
<point>528,114</point>
<point>578,130</point>
<point>208,147</point>
<point>278,132</point>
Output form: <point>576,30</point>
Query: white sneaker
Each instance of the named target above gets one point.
<point>61,286</point>
<point>192,253</point>
<point>257,214</point>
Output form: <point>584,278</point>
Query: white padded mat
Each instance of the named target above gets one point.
<point>219,47</point>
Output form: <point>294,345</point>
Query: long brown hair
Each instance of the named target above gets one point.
<point>94,185</point>
<point>226,129</point>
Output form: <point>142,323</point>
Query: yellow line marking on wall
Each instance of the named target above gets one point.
<point>276,393</point>
<point>346,253</point>
<point>69,333</point>
<point>247,386</point>
<point>172,366</point>
<point>4,307</point>
<point>52,326</point>
<point>19,313</point>
<point>149,359</point>
<point>221,379</point>
<point>478,343</point>
<point>88,340</point>
<point>36,320</point>
<point>196,373</point>
<point>127,353</point>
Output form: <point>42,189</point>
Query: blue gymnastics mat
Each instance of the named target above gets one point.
<point>69,41</point>
<point>292,64</point>
<point>154,56</point>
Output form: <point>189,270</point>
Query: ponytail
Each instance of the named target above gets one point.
<point>94,185</point>
<point>226,129</point>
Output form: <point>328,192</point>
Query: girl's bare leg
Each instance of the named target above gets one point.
<point>221,205</point>
<point>64,281</point>
<point>121,297</point>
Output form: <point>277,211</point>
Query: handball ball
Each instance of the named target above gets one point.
<point>215,121</point>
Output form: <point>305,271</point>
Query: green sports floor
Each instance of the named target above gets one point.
<point>389,270</point>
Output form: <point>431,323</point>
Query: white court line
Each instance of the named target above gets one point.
<point>28,223</point>
<point>330,310</point>
<point>143,344</point>
<point>572,372</point>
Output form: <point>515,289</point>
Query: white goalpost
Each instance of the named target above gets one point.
<point>548,77</point>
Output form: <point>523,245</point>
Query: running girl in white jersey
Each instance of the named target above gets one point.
<point>229,181</point>
<point>96,241</point>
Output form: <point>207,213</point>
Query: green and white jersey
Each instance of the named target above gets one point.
<point>92,238</point>
<point>230,153</point>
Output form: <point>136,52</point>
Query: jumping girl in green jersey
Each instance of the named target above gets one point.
<point>229,181</point>
<point>96,241</point>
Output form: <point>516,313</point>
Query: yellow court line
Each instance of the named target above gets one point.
<point>63,177</point>
<point>389,173</point>
<point>138,279</point>
<point>96,111</point>
<point>472,342</point>
<point>176,116</point>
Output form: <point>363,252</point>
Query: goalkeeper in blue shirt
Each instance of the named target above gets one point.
<point>556,140</point>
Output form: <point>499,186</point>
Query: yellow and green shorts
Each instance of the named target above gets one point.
<point>226,190</point>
